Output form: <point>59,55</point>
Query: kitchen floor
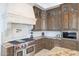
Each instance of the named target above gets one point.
<point>57,51</point>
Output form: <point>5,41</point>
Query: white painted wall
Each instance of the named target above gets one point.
<point>47,33</point>
<point>3,21</point>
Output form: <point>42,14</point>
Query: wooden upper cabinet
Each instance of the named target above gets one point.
<point>69,16</point>
<point>50,20</point>
<point>37,12</point>
<point>38,15</point>
<point>65,16</point>
<point>73,16</point>
<point>58,18</point>
<point>54,19</point>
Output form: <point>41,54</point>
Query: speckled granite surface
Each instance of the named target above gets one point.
<point>58,51</point>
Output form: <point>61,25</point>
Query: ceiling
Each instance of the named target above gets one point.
<point>45,6</point>
<point>48,5</point>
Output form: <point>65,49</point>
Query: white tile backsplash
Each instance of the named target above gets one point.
<point>24,31</point>
<point>12,34</point>
<point>47,33</point>
<point>37,33</point>
<point>52,33</point>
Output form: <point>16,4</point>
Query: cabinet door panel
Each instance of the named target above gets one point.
<point>54,19</point>
<point>65,21</point>
<point>49,43</point>
<point>69,44</point>
<point>57,42</point>
<point>73,16</point>
<point>65,16</point>
<point>38,13</point>
<point>78,45</point>
<point>39,45</point>
<point>73,21</point>
<point>50,23</point>
<point>10,51</point>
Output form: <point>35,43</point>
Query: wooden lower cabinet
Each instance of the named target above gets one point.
<point>78,45</point>
<point>39,45</point>
<point>10,51</point>
<point>57,42</point>
<point>69,44</point>
<point>49,43</point>
<point>43,43</point>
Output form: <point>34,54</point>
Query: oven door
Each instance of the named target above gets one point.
<point>30,50</point>
<point>20,53</point>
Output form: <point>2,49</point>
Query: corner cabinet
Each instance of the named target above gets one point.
<point>54,19</point>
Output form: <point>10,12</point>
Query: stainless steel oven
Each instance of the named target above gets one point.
<point>30,50</point>
<point>20,53</point>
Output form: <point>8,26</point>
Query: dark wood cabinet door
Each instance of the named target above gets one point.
<point>78,45</point>
<point>65,21</point>
<point>69,44</point>
<point>73,16</point>
<point>57,42</point>
<point>39,45</point>
<point>38,16</point>
<point>70,16</point>
<point>54,19</point>
<point>10,51</point>
<point>37,12</point>
<point>38,25</point>
<point>49,44</point>
<point>65,16</point>
<point>57,18</point>
<point>51,23</point>
<point>73,23</point>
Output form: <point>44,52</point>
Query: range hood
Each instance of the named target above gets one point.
<point>21,13</point>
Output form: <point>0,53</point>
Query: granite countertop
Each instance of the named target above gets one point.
<point>58,51</point>
<point>39,37</point>
<point>7,45</point>
<point>59,38</point>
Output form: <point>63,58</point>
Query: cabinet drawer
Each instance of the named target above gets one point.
<point>57,42</point>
